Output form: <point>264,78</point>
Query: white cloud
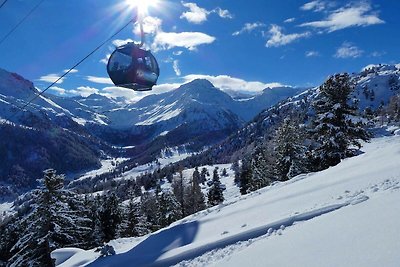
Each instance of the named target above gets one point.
<point>134,96</point>
<point>289,20</point>
<point>165,87</point>
<point>312,54</point>
<point>176,68</point>
<point>84,91</point>
<point>105,60</point>
<point>316,5</point>
<point>195,14</point>
<point>348,50</point>
<point>354,15</point>
<point>198,15</point>
<point>177,53</point>
<point>189,40</point>
<point>59,90</point>
<point>277,38</point>
<point>119,42</point>
<point>378,53</point>
<point>167,40</point>
<point>115,92</point>
<point>101,80</point>
<point>51,78</point>
<point>249,27</point>
<point>72,71</point>
<point>151,25</point>
<point>225,82</point>
<point>223,13</point>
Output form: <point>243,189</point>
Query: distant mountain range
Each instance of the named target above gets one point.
<point>72,134</point>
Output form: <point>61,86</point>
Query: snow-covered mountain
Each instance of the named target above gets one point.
<point>196,114</point>
<point>352,207</point>
<point>16,92</point>
<point>197,104</point>
<point>374,87</point>
<point>41,135</point>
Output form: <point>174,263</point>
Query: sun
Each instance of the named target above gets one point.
<point>142,5</point>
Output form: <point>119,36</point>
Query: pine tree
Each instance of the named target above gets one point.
<point>224,172</point>
<point>178,187</point>
<point>56,220</point>
<point>261,169</point>
<point>9,231</point>
<point>169,209</point>
<point>134,222</point>
<point>203,175</point>
<point>109,215</point>
<point>196,177</point>
<point>245,176</point>
<point>92,205</point>
<point>394,108</point>
<point>236,169</point>
<point>215,193</point>
<point>289,150</point>
<point>334,128</point>
<point>150,207</point>
<point>194,198</point>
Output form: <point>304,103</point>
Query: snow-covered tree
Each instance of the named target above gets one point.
<point>109,215</point>
<point>224,172</point>
<point>245,176</point>
<point>394,108</point>
<point>194,198</point>
<point>57,219</point>
<point>133,222</point>
<point>336,128</point>
<point>203,175</point>
<point>236,170</point>
<point>289,150</point>
<point>169,208</point>
<point>178,187</point>
<point>150,207</point>
<point>215,193</point>
<point>196,177</point>
<point>261,168</point>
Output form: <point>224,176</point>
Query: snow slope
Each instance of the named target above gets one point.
<point>347,215</point>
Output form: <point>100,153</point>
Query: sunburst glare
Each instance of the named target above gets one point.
<point>142,5</point>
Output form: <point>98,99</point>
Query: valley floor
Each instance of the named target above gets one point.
<point>347,215</point>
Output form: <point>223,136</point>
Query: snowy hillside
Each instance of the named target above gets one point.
<point>15,92</point>
<point>374,87</point>
<point>346,215</point>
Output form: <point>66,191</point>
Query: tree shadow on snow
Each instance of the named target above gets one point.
<point>149,250</point>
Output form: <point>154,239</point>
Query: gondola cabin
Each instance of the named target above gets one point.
<point>132,67</point>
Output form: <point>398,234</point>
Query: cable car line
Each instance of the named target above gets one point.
<point>2,4</point>
<point>21,21</point>
<point>69,70</point>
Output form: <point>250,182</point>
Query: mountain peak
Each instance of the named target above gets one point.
<point>15,85</point>
<point>200,83</point>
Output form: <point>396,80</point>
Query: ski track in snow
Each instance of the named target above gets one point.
<point>210,254</point>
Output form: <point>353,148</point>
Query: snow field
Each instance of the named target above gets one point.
<point>346,215</point>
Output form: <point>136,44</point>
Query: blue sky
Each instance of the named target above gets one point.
<point>238,45</point>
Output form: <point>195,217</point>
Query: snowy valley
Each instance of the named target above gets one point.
<point>156,133</point>
<point>306,179</point>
